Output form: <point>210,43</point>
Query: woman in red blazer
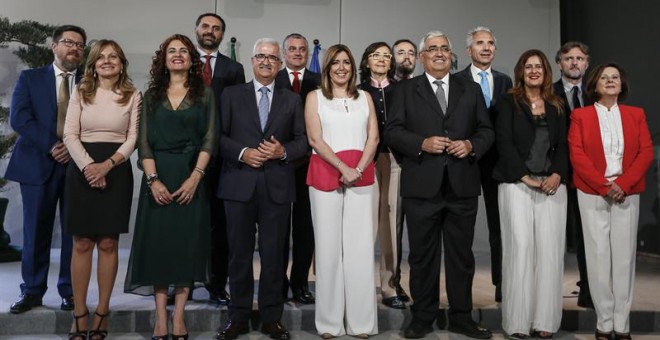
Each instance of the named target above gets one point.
<point>610,150</point>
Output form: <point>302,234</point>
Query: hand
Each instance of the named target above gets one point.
<point>550,184</point>
<point>100,184</point>
<point>160,193</point>
<point>348,175</point>
<point>184,195</point>
<point>531,182</point>
<point>459,148</point>
<point>60,153</point>
<point>272,148</point>
<point>615,193</point>
<point>254,158</point>
<point>435,144</point>
<point>95,171</point>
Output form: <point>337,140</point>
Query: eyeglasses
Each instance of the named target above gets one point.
<point>378,56</point>
<point>435,49</point>
<point>261,57</point>
<point>71,43</point>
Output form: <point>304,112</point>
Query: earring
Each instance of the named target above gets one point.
<point>94,74</point>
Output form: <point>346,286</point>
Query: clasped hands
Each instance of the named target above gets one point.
<point>348,175</point>
<point>615,193</point>
<point>267,150</point>
<point>439,145</point>
<point>184,195</point>
<point>548,185</point>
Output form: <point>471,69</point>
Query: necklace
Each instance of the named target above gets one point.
<point>533,102</point>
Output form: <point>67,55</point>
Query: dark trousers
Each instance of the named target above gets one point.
<point>219,254</point>
<point>302,234</point>
<point>489,187</point>
<point>449,220</point>
<point>575,236</point>
<point>39,208</point>
<point>242,221</point>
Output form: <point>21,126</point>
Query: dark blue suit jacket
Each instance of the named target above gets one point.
<point>33,115</point>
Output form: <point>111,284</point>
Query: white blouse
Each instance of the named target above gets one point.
<point>611,133</point>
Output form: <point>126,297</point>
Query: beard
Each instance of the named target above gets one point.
<point>211,44</point>
<point>405,70</point>
<point>574,74</point>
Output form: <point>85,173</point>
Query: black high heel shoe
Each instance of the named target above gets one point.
<point>78,334</point>
<point>99,334</point>
<point>160,337</point>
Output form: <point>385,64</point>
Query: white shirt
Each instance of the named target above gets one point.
<point>300,75</point>
<point>568,89</point>
<point>445,85</point>
<point>271,87</point>
<point>477,77</point>
<point>214,57</point>
<point>611,132</point>
<point>59,79</point>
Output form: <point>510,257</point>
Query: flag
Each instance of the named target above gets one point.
<point>233,49</point>
<point>314,66</point>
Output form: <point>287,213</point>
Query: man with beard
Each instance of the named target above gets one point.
<point>38,162</point>
<point>481,47</point>
<point>219,71</point>
<point>405,57</point>
<point>573,61</point>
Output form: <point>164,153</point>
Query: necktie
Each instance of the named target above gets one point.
<point>576,98</point>
<point>62,104</point>
<point>485,87</point>
<point>263,107</point>
<point>206,71</point>
<point>440,94</point>
<point>296,82</point>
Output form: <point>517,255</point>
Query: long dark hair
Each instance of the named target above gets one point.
<point>365,72</point>
<point>326,83</point>
<point>547,92</point>
<point>88,85</point>
<point>160,77</point>
<point>595,74</point>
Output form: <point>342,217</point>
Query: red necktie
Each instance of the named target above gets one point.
<point>206,71</point>
<point>296,82</point>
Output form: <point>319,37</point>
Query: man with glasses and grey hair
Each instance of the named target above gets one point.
<point>439,126</point>
<point>262,133</point>
<point>481,47</point>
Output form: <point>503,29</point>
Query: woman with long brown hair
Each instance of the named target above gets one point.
<point>100,133</point>
<point>530,135</point>
<point>178,135</point>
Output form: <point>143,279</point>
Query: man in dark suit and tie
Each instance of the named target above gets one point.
<point>439,125</point>
<point>297,78</point>
<point>481,47</point>
<point>573,61</point>
<point>262,134</point>
<point>38,162</point>
<point>219,72</point>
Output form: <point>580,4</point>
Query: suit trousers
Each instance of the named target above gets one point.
<point>39,207</point>
<point>389,211</point>
<point>489,187</point>
<point>219,255</point>
<point>610,244</point>
<point>533,244</point>
<point>345,284</point>
<point>242,221</point>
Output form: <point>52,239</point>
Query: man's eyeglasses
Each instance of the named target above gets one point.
<point>71,43</point>
<point>261,57</point>
<point>378,56</point>
<point>436,49</point>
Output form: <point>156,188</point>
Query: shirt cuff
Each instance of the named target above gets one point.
<point>240,155</point>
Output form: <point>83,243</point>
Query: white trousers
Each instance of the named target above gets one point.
<point>533,228</point>
<point>344,253</point>
<point>610,244</point>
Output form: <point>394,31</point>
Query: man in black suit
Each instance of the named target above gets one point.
<point>439,125</point>
<point>220,72</point>
<point>481,47</point>
<point>573,61</point>
<point>262,134</point>
<point>297,78</point>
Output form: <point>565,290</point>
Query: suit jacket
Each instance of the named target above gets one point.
<point>310,82</point>
<point>226,73</point>
<point>588,156</point>
<point>515,132</point>
<point>416,114</point>
<point>240,128</point>
<point>558,87</point>
<point>33,115</point>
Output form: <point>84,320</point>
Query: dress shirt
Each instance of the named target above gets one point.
<point>611,132</point>
<point>477,78</point>
<point>257,86</point>
<point>214,57</point>
<point>445,86</point>
<point>58,80</point>
<point>301,72</point>
<point>568,89</point>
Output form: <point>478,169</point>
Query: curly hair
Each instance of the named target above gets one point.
<point>365,72</point>
<point>160,75</point>
<point>88,85</point>
<point>547,92</point>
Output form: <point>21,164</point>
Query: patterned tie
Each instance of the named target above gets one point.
<point>576,98</point>
<point>62,104</point>
<point>485,87</point>
<point>296,82</point>
<point>263,107</point>
<point>207,75</point>
<point>440,94</point>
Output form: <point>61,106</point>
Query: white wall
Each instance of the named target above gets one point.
<point>140,26</point>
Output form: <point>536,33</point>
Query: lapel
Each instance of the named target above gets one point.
<point>456,90</point>
<point>221,65</point>
<point>598,143</point>
<point>50,87</point>
<point>282,79</point>
<point>251,107</point>
<point>275,106</point>
<point>308,84</point>
<point>498,87</point>
<point>425,91</point>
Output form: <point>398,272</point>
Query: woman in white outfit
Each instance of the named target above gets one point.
<point>611,150</point>
<point>343,131</point>
<point>530,134</point>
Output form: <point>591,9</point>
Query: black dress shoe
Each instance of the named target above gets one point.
<point>67,304</point>
<point>470,329</point>
<point>417,330</point>
<point>394,302</point>
<point>25,303</point>
<point>221,299</point>
<point>304,296</point>
<point>232,330</point>
<point>401,293</point>
<point>275,330</point>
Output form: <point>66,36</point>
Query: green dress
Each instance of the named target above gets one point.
<point>171,243</point>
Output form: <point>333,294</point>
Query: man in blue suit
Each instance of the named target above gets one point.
<point>38,163</point>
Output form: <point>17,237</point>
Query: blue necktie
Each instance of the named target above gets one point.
<point>263,107</point>
<point>485,87</point>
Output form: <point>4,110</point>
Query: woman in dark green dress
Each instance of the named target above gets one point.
<point>178,135</point>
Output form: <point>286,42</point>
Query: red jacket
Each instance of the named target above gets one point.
<point>588,158</point>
